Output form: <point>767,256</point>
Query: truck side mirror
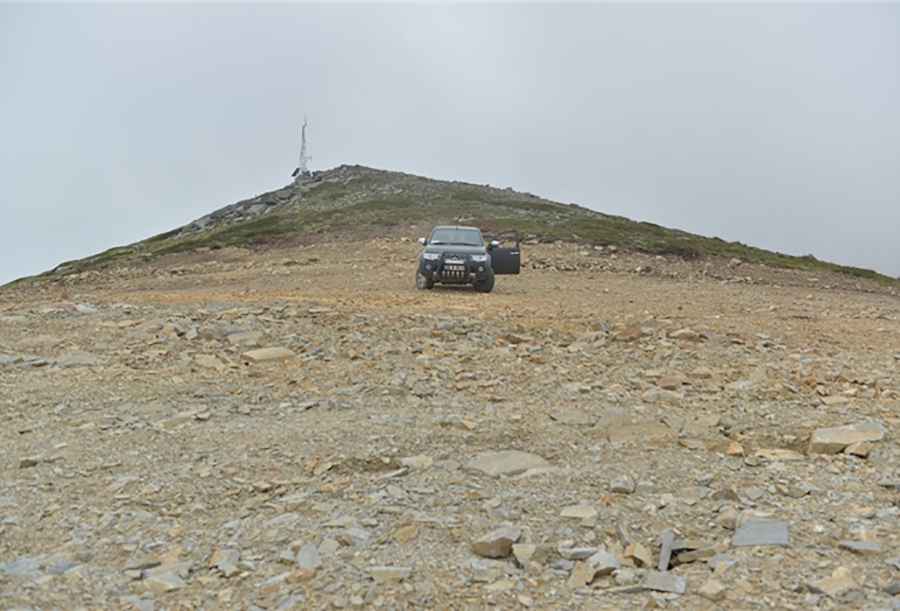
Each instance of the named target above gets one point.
<point>422,241</point>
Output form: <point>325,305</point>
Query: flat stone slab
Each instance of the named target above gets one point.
<point>834,440</point>
<point>861,547</point>
<point>77,359</point>
<point>762,532</point>
<point>268,354</point>
<point>21,567</point>
<point>666,541</point>
<point>250,339</point>
<point>506,462</point>
<point>664,582</point>
<point>579,512</point>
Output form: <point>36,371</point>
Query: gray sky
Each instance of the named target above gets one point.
<point>778,126</point>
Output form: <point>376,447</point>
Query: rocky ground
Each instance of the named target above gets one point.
<point>302,429</point>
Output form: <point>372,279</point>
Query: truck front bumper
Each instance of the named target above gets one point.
<point>466,273</point>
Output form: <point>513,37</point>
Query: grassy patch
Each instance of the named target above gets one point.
<point>163,236</point>
<point>247,233</point>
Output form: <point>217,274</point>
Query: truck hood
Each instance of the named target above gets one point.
<point>452,249</point>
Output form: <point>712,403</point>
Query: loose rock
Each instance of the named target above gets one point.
<point>29,461</point>
<point>506,462</point>
<point>523,553</point>
<point>640,554</point>
<point>162,580</point>
<point>308,558</point>
<point>389,574</point>
<point>225,561</point>
<point>841,581</point>
<point>862,449</point>
<point>712,589</point>
<point>864,548</point>
<point>497,543</point>
<point>834,440</point>
<point>579,512</point>
<point>666,540</point>
<point>622,485</point>
<point>263,355</point>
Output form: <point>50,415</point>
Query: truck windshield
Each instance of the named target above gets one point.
<point>453,235</point>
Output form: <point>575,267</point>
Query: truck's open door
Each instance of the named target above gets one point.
<point>506,257</point>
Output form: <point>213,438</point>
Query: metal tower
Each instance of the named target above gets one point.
<point>302,168</point>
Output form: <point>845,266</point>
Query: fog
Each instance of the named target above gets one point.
<point>774,125</point>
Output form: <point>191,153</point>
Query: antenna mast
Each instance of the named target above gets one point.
<point>302,167</point>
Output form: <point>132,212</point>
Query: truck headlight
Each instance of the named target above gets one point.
<point>479,258</point>
<point>431,256</point>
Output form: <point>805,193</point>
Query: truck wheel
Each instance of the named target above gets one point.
<point>423,283</point>
<point>486,283</point>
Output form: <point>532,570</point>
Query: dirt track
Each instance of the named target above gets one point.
<point>147,462</point>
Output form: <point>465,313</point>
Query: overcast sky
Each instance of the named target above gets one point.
<point>778,126</point>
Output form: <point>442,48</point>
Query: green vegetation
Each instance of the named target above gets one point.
<point>356,201</point>
<point>248,233</point>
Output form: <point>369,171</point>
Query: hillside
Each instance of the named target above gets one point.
<point>351,202</point>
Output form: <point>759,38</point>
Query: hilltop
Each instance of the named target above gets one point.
<point>356,202</point>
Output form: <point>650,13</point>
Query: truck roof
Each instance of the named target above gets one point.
<point>455,227</point>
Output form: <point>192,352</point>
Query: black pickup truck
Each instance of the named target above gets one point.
<point>458,255</point>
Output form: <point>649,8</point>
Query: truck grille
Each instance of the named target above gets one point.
<point>454,272</point>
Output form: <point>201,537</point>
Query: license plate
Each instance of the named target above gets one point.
<point>453,261</point>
